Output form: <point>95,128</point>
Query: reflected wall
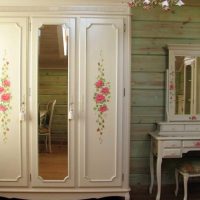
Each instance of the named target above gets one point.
<point>53,85</point>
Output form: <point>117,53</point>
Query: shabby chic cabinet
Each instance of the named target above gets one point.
<point>180,132</point>
<point>78,56</point>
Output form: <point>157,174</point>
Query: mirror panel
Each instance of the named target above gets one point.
<point>183,88</point>
<point>187,75</point>
<point>53,102</point>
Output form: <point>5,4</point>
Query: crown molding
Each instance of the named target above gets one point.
<point>86,7</point>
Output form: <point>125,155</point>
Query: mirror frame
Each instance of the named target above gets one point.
<point>178,50</point>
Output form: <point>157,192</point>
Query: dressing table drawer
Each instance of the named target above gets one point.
<point>191,143</point>
<point>171,153</point>
<point>172,144</point>
<point>192,127</point>
<point>169,127</point>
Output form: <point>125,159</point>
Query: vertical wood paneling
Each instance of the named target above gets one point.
<point>152,30</point>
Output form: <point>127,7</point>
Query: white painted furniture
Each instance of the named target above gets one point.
<point>188,169</point>
<point>180,132</point>
<point>99,51</point>
<point>163,147</point>
<point>185,128</point>
<point>46,129</point>
<point>13,106</point>
<point>182,83</point>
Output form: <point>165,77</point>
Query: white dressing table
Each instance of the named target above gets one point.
<point>180,133</point>
<point>168,147</point>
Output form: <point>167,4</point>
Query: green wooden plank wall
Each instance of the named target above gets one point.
<point>152,30</point>
<point>53,85</point>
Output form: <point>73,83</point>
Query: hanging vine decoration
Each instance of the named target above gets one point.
<point>5,97</point>
<point>101,97</point>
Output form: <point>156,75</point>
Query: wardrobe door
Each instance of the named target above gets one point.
<point>52,80</point>
<point>101,102</point>
<point>13,133</point>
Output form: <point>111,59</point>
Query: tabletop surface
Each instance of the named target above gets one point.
<point>156,136</point>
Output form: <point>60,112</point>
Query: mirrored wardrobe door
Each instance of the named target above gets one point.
<point>53,88</point>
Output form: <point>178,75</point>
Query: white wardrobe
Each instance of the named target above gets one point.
<point>96,42</point>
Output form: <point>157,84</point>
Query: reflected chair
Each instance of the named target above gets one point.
<point>45,128</point>
<point>188,169</point>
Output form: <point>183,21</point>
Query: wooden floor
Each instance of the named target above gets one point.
<point>53,166</point>
<point>141,193</point>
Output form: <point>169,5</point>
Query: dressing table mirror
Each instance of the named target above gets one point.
<point>182,92</point>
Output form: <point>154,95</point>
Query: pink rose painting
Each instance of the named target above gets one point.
<point>105,91</point>
<point>99,83</point>
<point>193,117</point>
<point>2,108</point>
<point>171,86</point>
<point>101,97</point>
<point>6,83</point>
<point>5,97</point>
<point>103,108</point>
<point>1,89</point>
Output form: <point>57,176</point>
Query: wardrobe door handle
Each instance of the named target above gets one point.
<point>71,112</point>
<point>22,116</point>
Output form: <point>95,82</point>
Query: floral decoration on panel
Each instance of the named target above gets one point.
<point>101,97</point>
<point>5,97</point>
<point>148,4</point>
<point>171,87</point>
<point>193,117</point>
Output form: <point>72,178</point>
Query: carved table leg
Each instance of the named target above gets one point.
<point>127,196</point>
<point>158,176</point>
<point>177,183</point>
<point>185,183</point>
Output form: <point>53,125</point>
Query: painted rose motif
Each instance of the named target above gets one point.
<point>99,83</point>
<point>197,144</point>
<point>101,97</point>
<point>3,108</point>
<point>103,108</point>
<point>171,86</point>
<point>193,117</point>
<point>1,89</point>
<point>105,90</point>
<point>6,83</point>
<point>5,97</point>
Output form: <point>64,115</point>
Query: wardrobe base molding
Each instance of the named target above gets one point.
<point>72,195</point>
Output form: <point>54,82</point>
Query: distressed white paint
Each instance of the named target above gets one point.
<point>13,144</point>
<point>168,147</point>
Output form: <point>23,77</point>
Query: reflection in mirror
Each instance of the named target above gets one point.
<point>52,102</point>
<point>187,81</point>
